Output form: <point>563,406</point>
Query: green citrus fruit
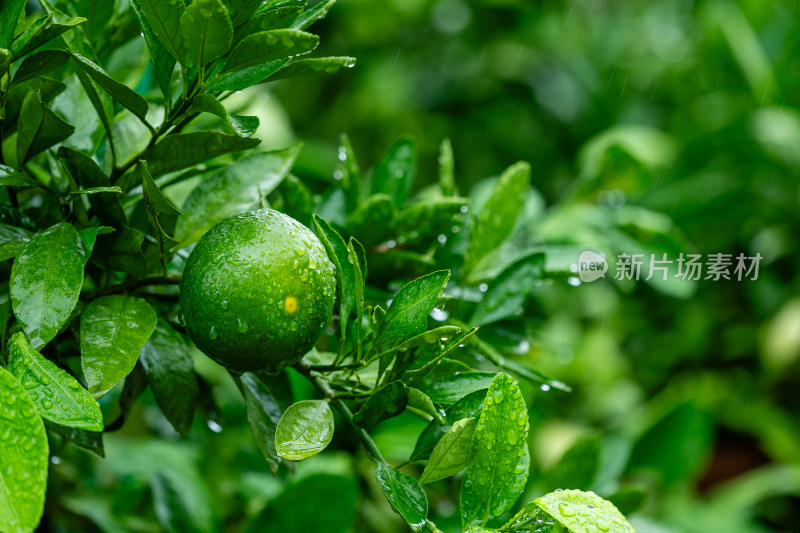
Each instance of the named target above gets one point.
<point>257,291</point>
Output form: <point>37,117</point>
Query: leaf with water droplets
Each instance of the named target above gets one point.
<point>422,402</point>
<point>163,62</point>
<point>408,314</point>
<point>114,329</point>
<point>46,282</point>
<point>489,228</point>
<point>23,458</point>
<point>235,189</point>
<point>498,445</point>
<point>305,429</point>
<point>395,172</point>
<point>260,55</point>
<point>467,407</point>
<point>182,150</point>
<point>338,253</point>
<point>207,30</point>
<point>404,493</point>
<point>506,294</point>
<point>263,415</point>
<point>164,18</point>
<point>313,65</point>
<point>424,220</point>
<point>169,367</point>
<point>579,512</point>
<point>451,453</point>
<point>386,402</point>
<point>58,396</point>
<point>124,95</point>
<point>38,128</point>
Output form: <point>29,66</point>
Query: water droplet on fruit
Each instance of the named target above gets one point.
<point>225,304</point>
<point>213,333</point>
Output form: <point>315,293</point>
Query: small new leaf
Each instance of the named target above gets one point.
<point>404,493</point>
<point>207,30</point>
<point>451,453</point>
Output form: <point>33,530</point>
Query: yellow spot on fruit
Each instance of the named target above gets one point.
<point>291,304</point>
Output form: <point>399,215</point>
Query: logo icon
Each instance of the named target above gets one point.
<point>591,266</point>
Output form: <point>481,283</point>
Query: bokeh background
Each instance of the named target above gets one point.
<point>651,126</point>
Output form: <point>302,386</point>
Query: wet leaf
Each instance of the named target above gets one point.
<point>388,401</point>
<point>429,218</point>
<point>41,31</point>
<point>305,429</point>
<point>494,223</point>
<point>338,253</point>
<point>23,458</point>
<point>240,125</point>
<point>46,282</point>
<point>407,316</point>
<point>313,14</point>
<point>447,178</point>
<point>373,219</point>
<point>395,172</point>
<point>114,329</point>
<point>507,293</point>
<point>235,189</point>
<point>168,363</point>
<point>9,16</point>
<point>404,493</point>
<point>421,401</point>
<point>88,174</point>
<point>576,511</point>
<point>163,62</point>
<point>57,395</point>
<point>207,30</point>
<point>491,486</point>
<point>313,65</point>
<point>88,440</point>
<point>164,17</point>
<point>12,241</point>
<point>263,415</point>
<point>451,453</point>
<point>260,55</point>
<point>452,387</point>
<point>183,150</point>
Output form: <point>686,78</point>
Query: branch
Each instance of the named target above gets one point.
<point>337,402</point>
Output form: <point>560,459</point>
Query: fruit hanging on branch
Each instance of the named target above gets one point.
<point>257,292</point>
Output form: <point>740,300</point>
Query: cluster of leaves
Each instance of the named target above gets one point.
<point>93,246</point>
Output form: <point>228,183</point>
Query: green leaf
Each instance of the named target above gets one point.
<point>305,429</point>
<point>207,30</point>
<point>447,177</point>
<point>46,282</point>
<point>39,64</point>
<point>575,511</point>
<point>356,257</point>
<point>12,241</point>
<point>114,329</point>
<point>57,395</point>
<point>163,62</point>
<point>339,255</point>
<point>388,401</point>
<point>405,494</point>
<point>242,10</point>
<point>176,152</point>
<point>429,218</point>
<point>38,128</point>
<point>313,65</point>
<point>89,237</point>
<point>153,197</point>
<point>578,466</point>
<point>164,17</point>
<point>260,55</point>
<point>394,175</point>
<point>41,31</point>
<point>490,227</point>
<point>88,440</point>
<point>315,13</point>
<point>23,457</point>
<point>5,59</point>
<point>448,389</point>
<point>237,188</point>
<point>497,446</point>
<point>373,219</point>
<point>451,454</point>
<point>351,172</point>
<point>124,95</point>
<point>422,402</point>
<point>322,503</point>
<point>10,11</point>
<point>11,178</point>
<point>507,293</point>
<point>168,363</point>
<point>263,415</point>
<point>240,125</point>
<point>88,174</point>
<point>431,336</point>
<point>407,316</point>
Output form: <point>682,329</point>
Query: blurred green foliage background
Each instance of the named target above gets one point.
<point>669,126</point>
